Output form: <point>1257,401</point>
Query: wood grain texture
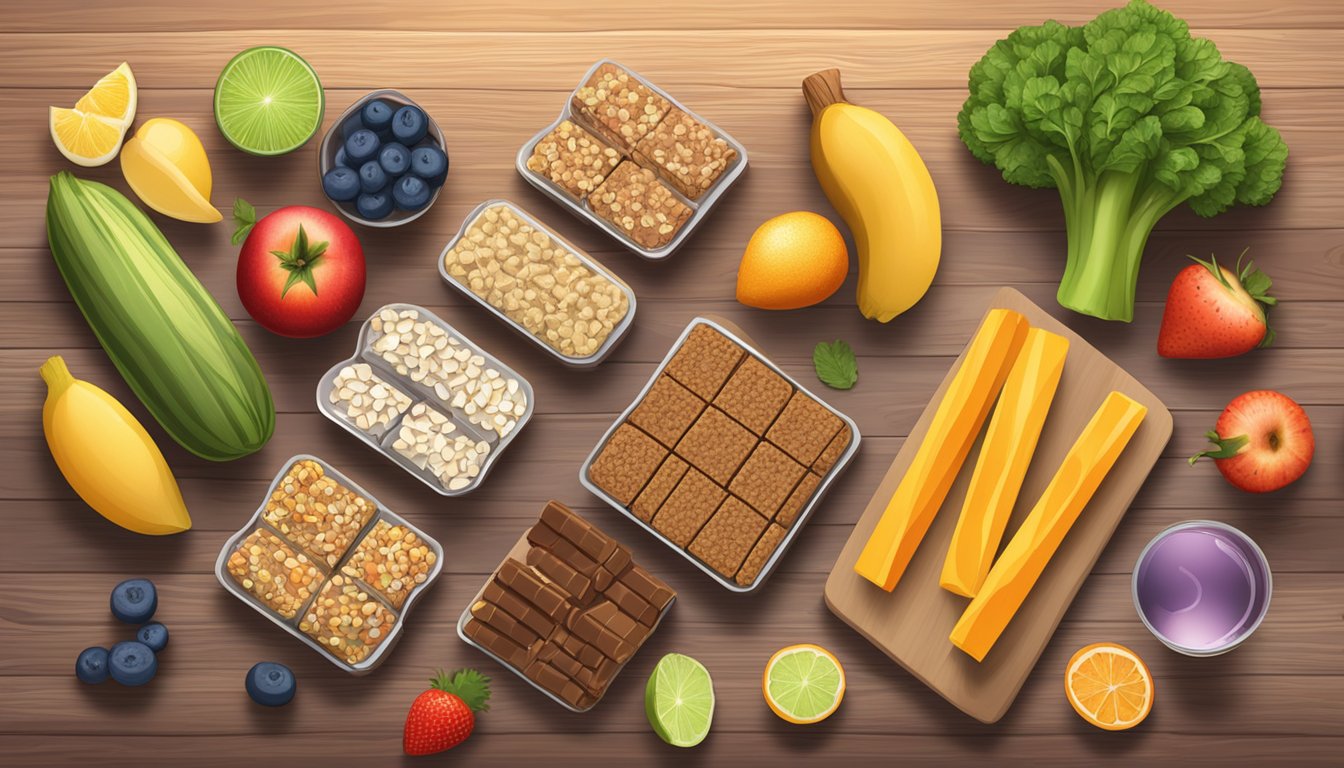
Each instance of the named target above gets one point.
<point>492,74</point>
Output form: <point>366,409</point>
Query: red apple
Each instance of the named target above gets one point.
<point>1262,442</point>
<point>301,270</point>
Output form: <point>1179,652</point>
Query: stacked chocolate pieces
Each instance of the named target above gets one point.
<point>572,612</point>
<point>721,455</point>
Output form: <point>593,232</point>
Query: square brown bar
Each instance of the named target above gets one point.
<point>574,159</point>
<point>704,361</point>
<point>766,479</point>
<point>686,152</point>
<point>804,428</point>
<point>689,506</point>
<point>716,445</point>
<point>619,106</point>
<point>760,553</point>
<point>754,395</point>
<point>659,488</point>
<point>797,500</point>
<point>833,451</point>
<point>639,205</point>
<point>667,410</point>
<point>728,536</point>
<point>626,463</point>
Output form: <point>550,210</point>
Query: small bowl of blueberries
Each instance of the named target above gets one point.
<point>383,162</point>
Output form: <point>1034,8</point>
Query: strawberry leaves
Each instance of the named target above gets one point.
<point>299,261</point>
<point>467,684</point>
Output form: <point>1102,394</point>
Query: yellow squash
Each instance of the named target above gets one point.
<point>1005,455</point>
<point>107,457</point>
<point>879,184</point>
<point>948,440</point>
<point>1024,559</point>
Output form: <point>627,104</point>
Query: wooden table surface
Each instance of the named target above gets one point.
<point>492,74</point>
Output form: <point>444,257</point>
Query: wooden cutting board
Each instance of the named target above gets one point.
<point>911,624</point>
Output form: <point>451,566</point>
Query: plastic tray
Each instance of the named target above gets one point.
<point>608,344</point>
<point>382,441</point>
<point>291,625</point>
<point>803,515</point>
<point>699,209</point>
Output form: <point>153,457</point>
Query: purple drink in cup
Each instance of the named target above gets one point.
<point>1202,587</point>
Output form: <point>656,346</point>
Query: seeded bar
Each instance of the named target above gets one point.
<point>754,395</point>
<point>639,205</point>
<point>797,500</point>
<point>760,553</point>
<point>365,400</point>
<point>667,410</point>
<point>274,574</point>
<point>626,463</point>
<point>686,510</point>
<point>393,560</point>
<point>346,621</point>
<point>716,445</point>
<point>728,536</point>
<point>573,159</point>
<point>686,152</point>
<point>833,451</point>
<point>316,513</point>
<point>766,479</point>
<point>804,428</point>
<point>704,361</point>
<point>659,488</point>
<point>619,106</point>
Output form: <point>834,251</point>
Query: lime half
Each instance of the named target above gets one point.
<point>268,101</point>
<point>804,684</point>
<point>679,700</point>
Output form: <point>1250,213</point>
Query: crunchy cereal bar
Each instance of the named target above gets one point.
<point>393,560</point>
<point>430,440</point>
<point>704,361</point>
<point>637,203</point>
<point>728,536</point>
<point>573,158</point>
<point>754,395</point>
<point>804,428</point>
<point>760,553</point>
<point>667,410</point>
<point>316,513</point>
<point>619,106</point>
<point>347,621</point>
<point>274,574</point>
<point>365,399</point>
<point>626,463</point>
<point>537,282</point>
<point>686,152</point>
<point>717,445</point>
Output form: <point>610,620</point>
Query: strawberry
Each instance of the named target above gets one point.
<point>1262,442</point>
<point>443,717</point>
<point>1213,311</point>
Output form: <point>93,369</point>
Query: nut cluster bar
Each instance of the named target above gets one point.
<point>572,612</point>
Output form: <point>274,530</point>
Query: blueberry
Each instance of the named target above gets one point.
<point>430,164</point>
<point>376,115</point>
<point>134,600</point>
<point>341,184</point>
<point>91,666</point>
<point>154,635</point>
<point>371,177</point>
<point>362,146</point>
<point>409,124</point>
<point>270,684</point>
<point>374,205</point>
<point>340,161</point>
<point>410,192</point>
<point>349,127</point>
<point>395,159</point>
<point>132,663</point>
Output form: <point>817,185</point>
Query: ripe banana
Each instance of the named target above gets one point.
<point>107,457</point>
<point>877,182</point>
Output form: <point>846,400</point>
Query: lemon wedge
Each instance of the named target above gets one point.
<point>165,164</point>
<point>91,133</point>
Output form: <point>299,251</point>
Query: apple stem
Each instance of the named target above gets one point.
<point>1225,448</point>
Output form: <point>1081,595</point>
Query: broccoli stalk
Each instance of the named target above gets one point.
<point>1128,117</point>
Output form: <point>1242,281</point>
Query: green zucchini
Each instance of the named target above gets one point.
<point>168,337</point>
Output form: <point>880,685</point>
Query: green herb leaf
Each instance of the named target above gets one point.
<point>245,217</point>
<point>835,364</point>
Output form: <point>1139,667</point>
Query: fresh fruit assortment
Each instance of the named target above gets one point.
<point>876,179</point>
<point>300,271</point>
<point>129,662</point>
<point>445,715</point>
<point>426,397</point>
<point>1213,311</point>
<point>722,456</point>
<point>312,560</point>
<point>803,684</point>
<point>1262,441</point>
<point>792,261</point>
<point>567,609</point>
<point>679,700</point>
<point>388,157</point>
<point>268,101</point>
<point>633,161</point>
<point>90,133</point>
<point>165,164</point>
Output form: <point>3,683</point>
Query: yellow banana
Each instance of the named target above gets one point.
<point>107,457</point>
<point>877,182</point>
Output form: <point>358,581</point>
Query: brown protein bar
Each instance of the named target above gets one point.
<point>496,642</point>
<point>639,205</point>
<point>766,479</point>
<point>804,428</point>
<point>517,607</point>
<point>592,542</point>
<point>656,492</point>
<point>574,159</point>
<point>667,410</point>
<point>704,361</point>
<point>649,587</point>
<point>716,445</point>
<point>797,500</point>
<point>729,535</point>
<point>531,587</point>
<point>833,451</point>
<point>760,553</point>
<point>619,106</point>
<point>626,463</point>
<point>562,573</point>
<point>686,152</point>
<point>555,681</point>
<point>690,505</point>
<point>631,603</point>
<point>754,395</point>
<point>497,619</point>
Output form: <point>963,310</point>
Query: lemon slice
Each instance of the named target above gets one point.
<point>166,166</point>
<point>803,684</point>
<point>113,97</point>
<point>91,133</point>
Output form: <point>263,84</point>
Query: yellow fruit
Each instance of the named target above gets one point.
<point>91,133</point>
<point>803,684</point>
<point>793,260</point>
<point>166,165</point>
<point>107,457</point>
<point>876,180</point>
<point>1109,686</point>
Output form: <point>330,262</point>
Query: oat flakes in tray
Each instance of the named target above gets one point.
<point>426,397</point>
<point>630,159</point>
<point>722,456</point>
<point>539,283</point>
<point>350,601</point>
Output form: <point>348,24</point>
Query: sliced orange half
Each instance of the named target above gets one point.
<point>1109,686</point>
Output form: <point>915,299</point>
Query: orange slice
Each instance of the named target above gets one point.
<point>1109,686</point>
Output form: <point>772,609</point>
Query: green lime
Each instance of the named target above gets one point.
<point>268,101</point>
<point>679,700</point>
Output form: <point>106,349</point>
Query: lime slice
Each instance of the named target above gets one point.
<point>804,684</point>
<point>679,700</point>
<point>268,101</point>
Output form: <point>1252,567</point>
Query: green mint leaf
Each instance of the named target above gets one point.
<point>245,217</point>
<point>835,364</point>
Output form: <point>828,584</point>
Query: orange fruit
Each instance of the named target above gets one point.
<point>793,260</point>
<point>1109,686</point>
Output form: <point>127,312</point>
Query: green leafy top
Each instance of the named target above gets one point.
<point>244,218</point>
<point>1254,281</point>
<point>835,364</point>
<point>299,261</point>
<point>467,684</point>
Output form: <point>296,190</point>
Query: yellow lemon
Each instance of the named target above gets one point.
<point>91,133</point>
<point>165,164</point>
<point>793,260</point>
